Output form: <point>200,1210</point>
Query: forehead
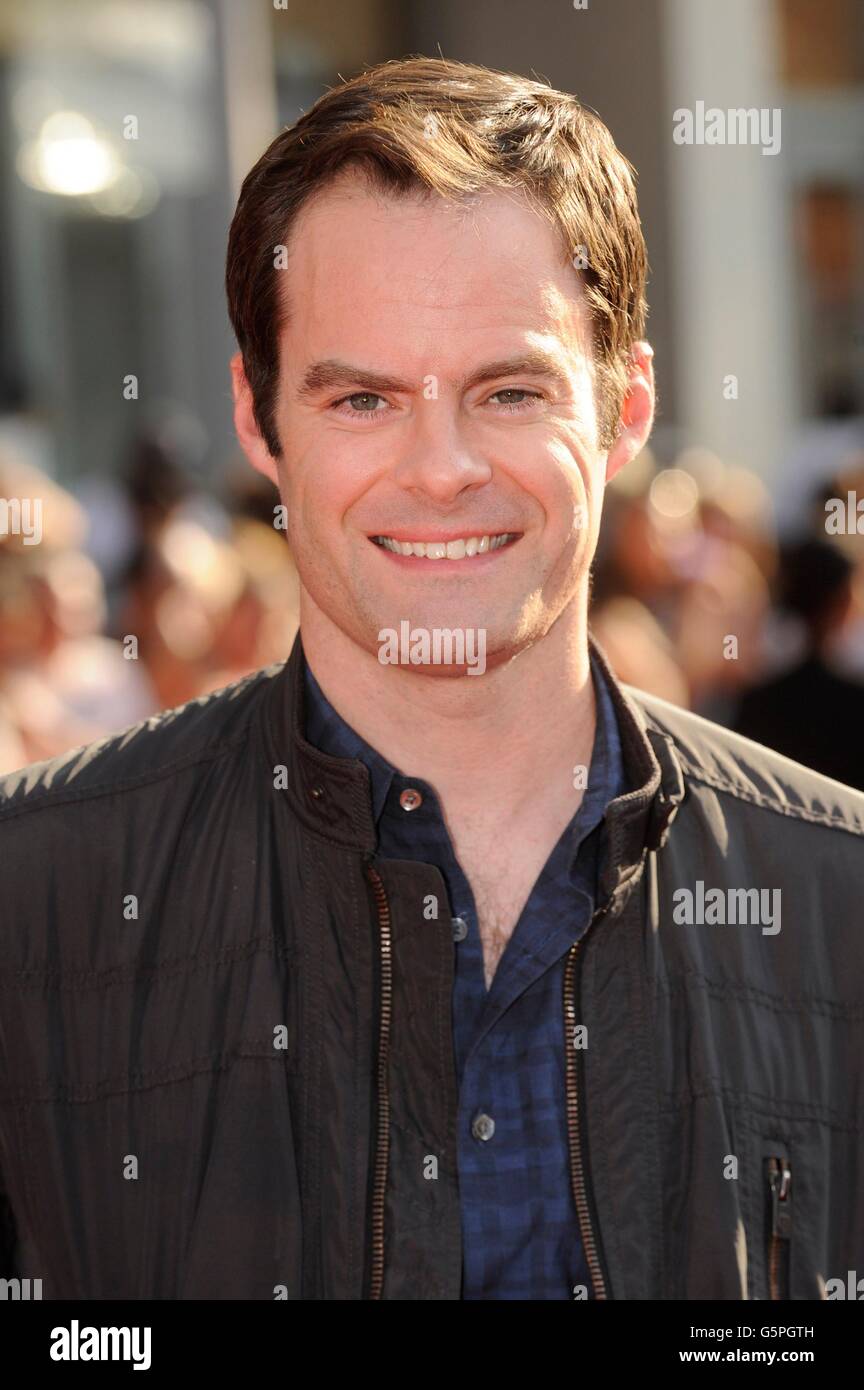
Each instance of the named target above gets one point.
<point>424,274</point>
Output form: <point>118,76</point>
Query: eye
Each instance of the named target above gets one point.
<point>513,407</point>
<point>355,412</point>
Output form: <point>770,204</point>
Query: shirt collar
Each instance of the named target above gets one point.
<point>330,798</point>
<point>329,732</point>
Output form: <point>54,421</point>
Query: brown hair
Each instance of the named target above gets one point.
<point>429,124</point>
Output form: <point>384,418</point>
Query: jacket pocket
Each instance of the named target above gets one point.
<point>778,1195</point>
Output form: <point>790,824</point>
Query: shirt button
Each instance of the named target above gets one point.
<point>460,929</point>
<point>410,799</point>
<point>483,1127</point>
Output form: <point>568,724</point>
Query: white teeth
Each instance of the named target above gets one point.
<point>450,550</point>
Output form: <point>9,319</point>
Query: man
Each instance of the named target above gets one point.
<point>799,710</point>
<point>433,964</point>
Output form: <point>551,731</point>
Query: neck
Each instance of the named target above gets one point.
<point>517,731</point>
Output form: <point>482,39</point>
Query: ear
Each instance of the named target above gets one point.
<point>637,410</point>
<point>248,433</point>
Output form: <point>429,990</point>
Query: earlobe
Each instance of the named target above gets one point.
<point>246,426</point>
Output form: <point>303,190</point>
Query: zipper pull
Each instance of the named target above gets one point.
<point>780,1183</point>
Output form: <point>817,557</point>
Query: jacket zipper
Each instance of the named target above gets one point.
<point>779,1187</point>
<point>578,1180</point>
<point>382,1122</point>
<point>382,1128</point>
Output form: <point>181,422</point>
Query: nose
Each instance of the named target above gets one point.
<point>436,459</point>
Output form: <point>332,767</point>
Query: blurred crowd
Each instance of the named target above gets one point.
<point>696,600</point>
<point>147,591</point>
<point>141,593</point>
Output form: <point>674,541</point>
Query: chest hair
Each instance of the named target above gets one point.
<point>500,883</point>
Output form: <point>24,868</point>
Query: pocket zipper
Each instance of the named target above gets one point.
<point>779,1174</point>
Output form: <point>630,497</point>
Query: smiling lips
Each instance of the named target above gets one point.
<point>462,549</point>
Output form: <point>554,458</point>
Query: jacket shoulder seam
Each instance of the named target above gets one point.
<point>63,797</point>
<point>767,803</point>
<point>697,772</point>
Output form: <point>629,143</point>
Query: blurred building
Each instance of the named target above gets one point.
<point>127,125</point>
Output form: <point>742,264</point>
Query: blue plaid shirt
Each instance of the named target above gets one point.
<point>520,1233</point>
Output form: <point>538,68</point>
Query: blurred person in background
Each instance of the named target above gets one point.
<point>207,610</point>
<point>837,512</point>
<point>680,591</point>
<point>632,596</point>
<point>62,681</point>
<point>210,592</point>
<point>812,713</point>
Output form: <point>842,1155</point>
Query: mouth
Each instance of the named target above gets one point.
<point>460,548</point>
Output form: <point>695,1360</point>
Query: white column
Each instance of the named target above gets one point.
<point>250,83</point>
<point>731,253</point>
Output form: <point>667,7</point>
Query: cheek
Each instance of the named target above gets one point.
<point>315,487</point>
<point>564,485</point>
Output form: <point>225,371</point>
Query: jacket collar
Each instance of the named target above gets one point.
<point>332,796</point>
<point>639,821</point>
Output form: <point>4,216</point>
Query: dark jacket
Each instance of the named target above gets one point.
<point>799,712</point>
<point>225,1041</point>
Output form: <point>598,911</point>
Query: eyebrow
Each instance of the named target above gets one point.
<point>333,374</point>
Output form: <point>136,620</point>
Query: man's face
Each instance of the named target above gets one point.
<point>436,384</point>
